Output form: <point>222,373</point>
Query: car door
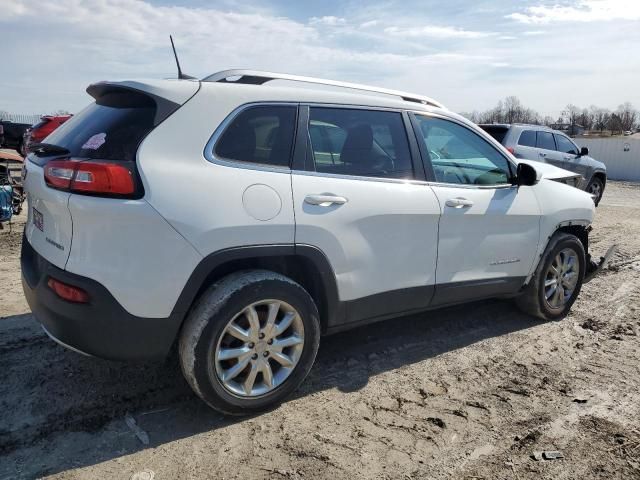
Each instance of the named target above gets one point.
<point>489,228</point>
<point>547,151</point>
<point>570,155</point>
<point>362,202</point>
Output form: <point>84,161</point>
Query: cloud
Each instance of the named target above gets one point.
<point>436,32</point>
<point>534,33</point>
<point>457,58</point>
<point>369,24</point>
<point>579,11</point>
<point>329,20</point>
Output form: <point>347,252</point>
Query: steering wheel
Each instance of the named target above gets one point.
<point>487,178</point>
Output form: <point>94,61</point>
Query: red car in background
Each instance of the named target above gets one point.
<point>38,132</point>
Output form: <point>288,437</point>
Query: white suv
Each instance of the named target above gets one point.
<point>242,220</point>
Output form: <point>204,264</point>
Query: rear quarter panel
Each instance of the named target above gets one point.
<point>202,200</point>
<point>132,251</point>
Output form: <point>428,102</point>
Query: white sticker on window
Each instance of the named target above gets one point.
<point>95,142</point>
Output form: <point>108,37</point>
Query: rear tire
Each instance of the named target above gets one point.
<point>596,187</point>
<point>249,341</point>
<point>557,281</point>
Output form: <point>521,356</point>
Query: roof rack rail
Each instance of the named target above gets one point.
<point>256,77</point>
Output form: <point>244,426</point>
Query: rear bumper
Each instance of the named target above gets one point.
<point>102,328</point>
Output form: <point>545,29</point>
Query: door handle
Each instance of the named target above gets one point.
<point>324,200</point>
<point>542,154</point>
<point>458,202</point>
<point>568,158</point>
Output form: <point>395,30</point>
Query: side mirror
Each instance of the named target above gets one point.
<point>584,151</point>
<point>526,175</point>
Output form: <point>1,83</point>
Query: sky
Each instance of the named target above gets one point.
<point>468,54</point>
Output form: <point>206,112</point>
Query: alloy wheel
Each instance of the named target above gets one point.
<point>561,278</point>
<point>595,189</point>
<point>259,348</point>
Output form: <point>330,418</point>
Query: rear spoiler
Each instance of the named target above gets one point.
<point>166,95</point>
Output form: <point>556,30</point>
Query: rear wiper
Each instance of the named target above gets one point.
<point>46,149</point>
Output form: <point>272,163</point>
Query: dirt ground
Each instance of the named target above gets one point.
<point>466,393</point>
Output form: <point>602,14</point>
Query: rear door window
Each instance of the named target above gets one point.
<point>359,142</point>
<point>565,145</point>
<point>545,140</point>
<point>112,128</point>
<point>262,134</point>
<point>527,138</point>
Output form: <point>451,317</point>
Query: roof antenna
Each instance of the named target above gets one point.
<point>181,76</point>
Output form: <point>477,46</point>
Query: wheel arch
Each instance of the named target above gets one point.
<point>305,264</point>
<point>578,229</point>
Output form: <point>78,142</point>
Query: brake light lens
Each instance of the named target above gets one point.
<point>89,177</point>
<point>68,292</point>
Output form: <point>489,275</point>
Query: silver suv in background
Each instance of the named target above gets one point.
<point>542,144</point>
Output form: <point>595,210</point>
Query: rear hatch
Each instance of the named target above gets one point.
<point>82,156</point>
<point>499,132</point>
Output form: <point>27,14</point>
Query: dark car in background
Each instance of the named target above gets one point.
<point>41,130</point>
<point>12,135</point>
<point>542,144</point>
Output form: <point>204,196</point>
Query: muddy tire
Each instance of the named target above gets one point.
<point>596,187</point>
<point>556,282</point>
<point>249,341</point>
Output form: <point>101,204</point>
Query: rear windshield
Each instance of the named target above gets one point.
<point>109,129</point>
<point>495,131</point>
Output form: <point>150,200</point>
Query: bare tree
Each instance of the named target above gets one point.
<point>628,116</point>
<point>585,119</point>
<point>511,110</point>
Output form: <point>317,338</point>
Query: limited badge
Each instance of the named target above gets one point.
<point>38,219</point>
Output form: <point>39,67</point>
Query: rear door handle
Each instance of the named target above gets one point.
<point>325,200</point>
<point>542,154</point>
<point>458,202</point>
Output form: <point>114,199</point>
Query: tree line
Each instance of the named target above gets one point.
<point>511,110</point>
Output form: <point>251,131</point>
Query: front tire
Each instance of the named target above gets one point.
<point>249,342</point>
<point>557,281</point>
<point>596,189</point>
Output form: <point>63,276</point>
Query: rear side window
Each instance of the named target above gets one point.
<point>565,145</point>
<point>109,129</point>
<point>545,140</point>
<point>260,134</point>
<point>527,138</point>
<point>496,132</point>
<point>359,142</point>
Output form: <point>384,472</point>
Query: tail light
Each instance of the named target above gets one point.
<point>91,177</point>
<point>68,292</point>
<point>511,150</point>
